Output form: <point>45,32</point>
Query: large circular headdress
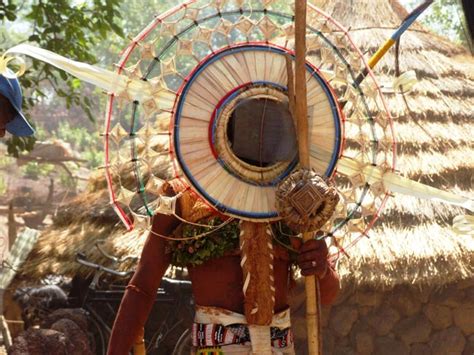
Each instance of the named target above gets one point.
<point>206,86</point>
<point>203,59</point>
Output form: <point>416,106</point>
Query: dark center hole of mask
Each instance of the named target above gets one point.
<point>261,132</point>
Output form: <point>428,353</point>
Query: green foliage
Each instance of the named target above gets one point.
<point>66,180</point>
<point>4,162</point>
<point>444,17</point>
<point>83,142</point>
<point>66,27</point>
<point>3,185</point>
<point>72,31</point>
<point>94,158</point>
<point>8,10</point>
<point>216,244</point>
<point>34,171</point>
<point>16,145</point>
<point>213,245</point>
<point>78,137</point>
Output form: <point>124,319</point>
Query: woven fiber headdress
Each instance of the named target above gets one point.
<point>195,67</point>
<point>202,59</point>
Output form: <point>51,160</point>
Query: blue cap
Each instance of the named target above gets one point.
<point>19,126</point>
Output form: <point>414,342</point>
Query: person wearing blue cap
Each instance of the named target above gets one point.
<point>12,119</point>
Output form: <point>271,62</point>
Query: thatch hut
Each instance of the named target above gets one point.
<point>409,288</point>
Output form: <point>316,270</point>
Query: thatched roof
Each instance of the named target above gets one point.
<point>77,227</point>
<point>57,247</point>
<point>413,242</point>
<point>428,255</point>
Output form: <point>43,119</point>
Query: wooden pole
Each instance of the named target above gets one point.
<point>291,86</point>
<point>301,112</point>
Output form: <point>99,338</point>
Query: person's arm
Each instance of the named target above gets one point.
<point>313,260</point>
<point>141,291</point>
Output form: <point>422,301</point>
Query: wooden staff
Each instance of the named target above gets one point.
<point>301,112</point>
<point>291,87</point>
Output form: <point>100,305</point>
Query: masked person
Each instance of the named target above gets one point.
<point>12,119</point>
<point>214,261</point>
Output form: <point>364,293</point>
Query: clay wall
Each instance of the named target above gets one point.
<point>402,321</point>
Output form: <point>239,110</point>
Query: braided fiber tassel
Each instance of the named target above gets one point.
<point>259,289</point>
<point>261,339</point>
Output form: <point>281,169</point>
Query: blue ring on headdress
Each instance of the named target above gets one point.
<point>253,47</point>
